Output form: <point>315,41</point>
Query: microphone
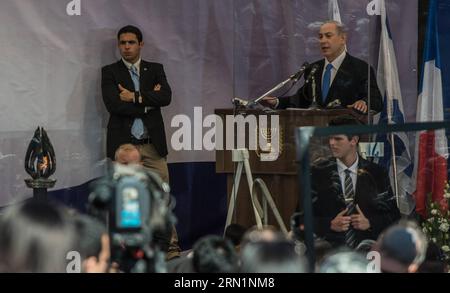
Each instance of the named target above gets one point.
<point>296,77</point>
<point>240,102</point>
<point>312,72</point>
<point>335,104</point>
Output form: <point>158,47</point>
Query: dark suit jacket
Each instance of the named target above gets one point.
<point>122,114</point>
<point>373,194</point>
<point>349,85</point>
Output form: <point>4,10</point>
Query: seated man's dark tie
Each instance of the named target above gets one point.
<point>349,194</point>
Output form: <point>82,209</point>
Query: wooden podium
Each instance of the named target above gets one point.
<point>280,175</point>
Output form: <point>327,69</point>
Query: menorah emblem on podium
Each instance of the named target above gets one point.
<point>267,148</point>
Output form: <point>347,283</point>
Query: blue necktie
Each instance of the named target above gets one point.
<point>326,82</point>
<point>137,130</point>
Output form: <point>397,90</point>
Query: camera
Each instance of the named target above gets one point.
<point>136,206</point>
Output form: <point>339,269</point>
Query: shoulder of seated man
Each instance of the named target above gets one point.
<point>322,162</point>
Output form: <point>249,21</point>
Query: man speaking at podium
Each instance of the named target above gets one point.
<point>340,79</point>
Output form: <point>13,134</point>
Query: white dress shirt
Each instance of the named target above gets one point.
<point>336,64</point>
<point>137,65</point>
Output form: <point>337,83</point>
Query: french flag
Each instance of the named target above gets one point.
<point>397,158</point>
<point>431,146</point>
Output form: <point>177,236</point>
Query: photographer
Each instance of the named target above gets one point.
<point>129,154</point>
<point>134,203</point>
<point>92,244</point>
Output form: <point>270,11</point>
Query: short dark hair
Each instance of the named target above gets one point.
<point>213,254</point>
<point>343,121</point>
<point>235,233</point>
<point>35,237</point>
<point>340,27</point>
<point>132,30</point>
<point>89,235</point>
<point>402,245</point>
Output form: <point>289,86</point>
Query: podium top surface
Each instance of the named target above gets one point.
<point>293,112</point>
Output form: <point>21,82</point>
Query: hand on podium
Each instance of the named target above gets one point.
<point>269,102</point>
<point>359,106</point>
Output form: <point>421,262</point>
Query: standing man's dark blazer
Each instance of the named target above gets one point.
<point>373,194</point>
<point>122,114</point>
<point>349,85</point>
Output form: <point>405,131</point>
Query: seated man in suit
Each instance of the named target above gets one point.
<point>352,197</point>
<point>340,79</point>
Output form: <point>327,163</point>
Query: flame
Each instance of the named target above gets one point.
<point>42,166</point>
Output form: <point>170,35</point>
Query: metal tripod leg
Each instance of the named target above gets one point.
<point>233,197</point>
<point>268,200</point>
<point>242,157</point>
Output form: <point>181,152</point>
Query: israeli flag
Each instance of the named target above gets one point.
<point>392,113</point>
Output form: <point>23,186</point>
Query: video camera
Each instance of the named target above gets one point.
<point>137,208</point>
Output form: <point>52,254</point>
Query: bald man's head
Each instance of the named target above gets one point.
<point>127,154</point>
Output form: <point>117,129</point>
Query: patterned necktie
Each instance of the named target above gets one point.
<point>137,130</point>
<point>326,82</point>
<point>349,194</point>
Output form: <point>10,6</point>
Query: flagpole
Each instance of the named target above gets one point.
<point>394,170</point>
<point>369,120</point>
<point>394,157</point>
<point>389,108</point>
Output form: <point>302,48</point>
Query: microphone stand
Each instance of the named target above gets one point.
<point>314,105</point>
<point>277,87</point>
<point>252,103</point>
